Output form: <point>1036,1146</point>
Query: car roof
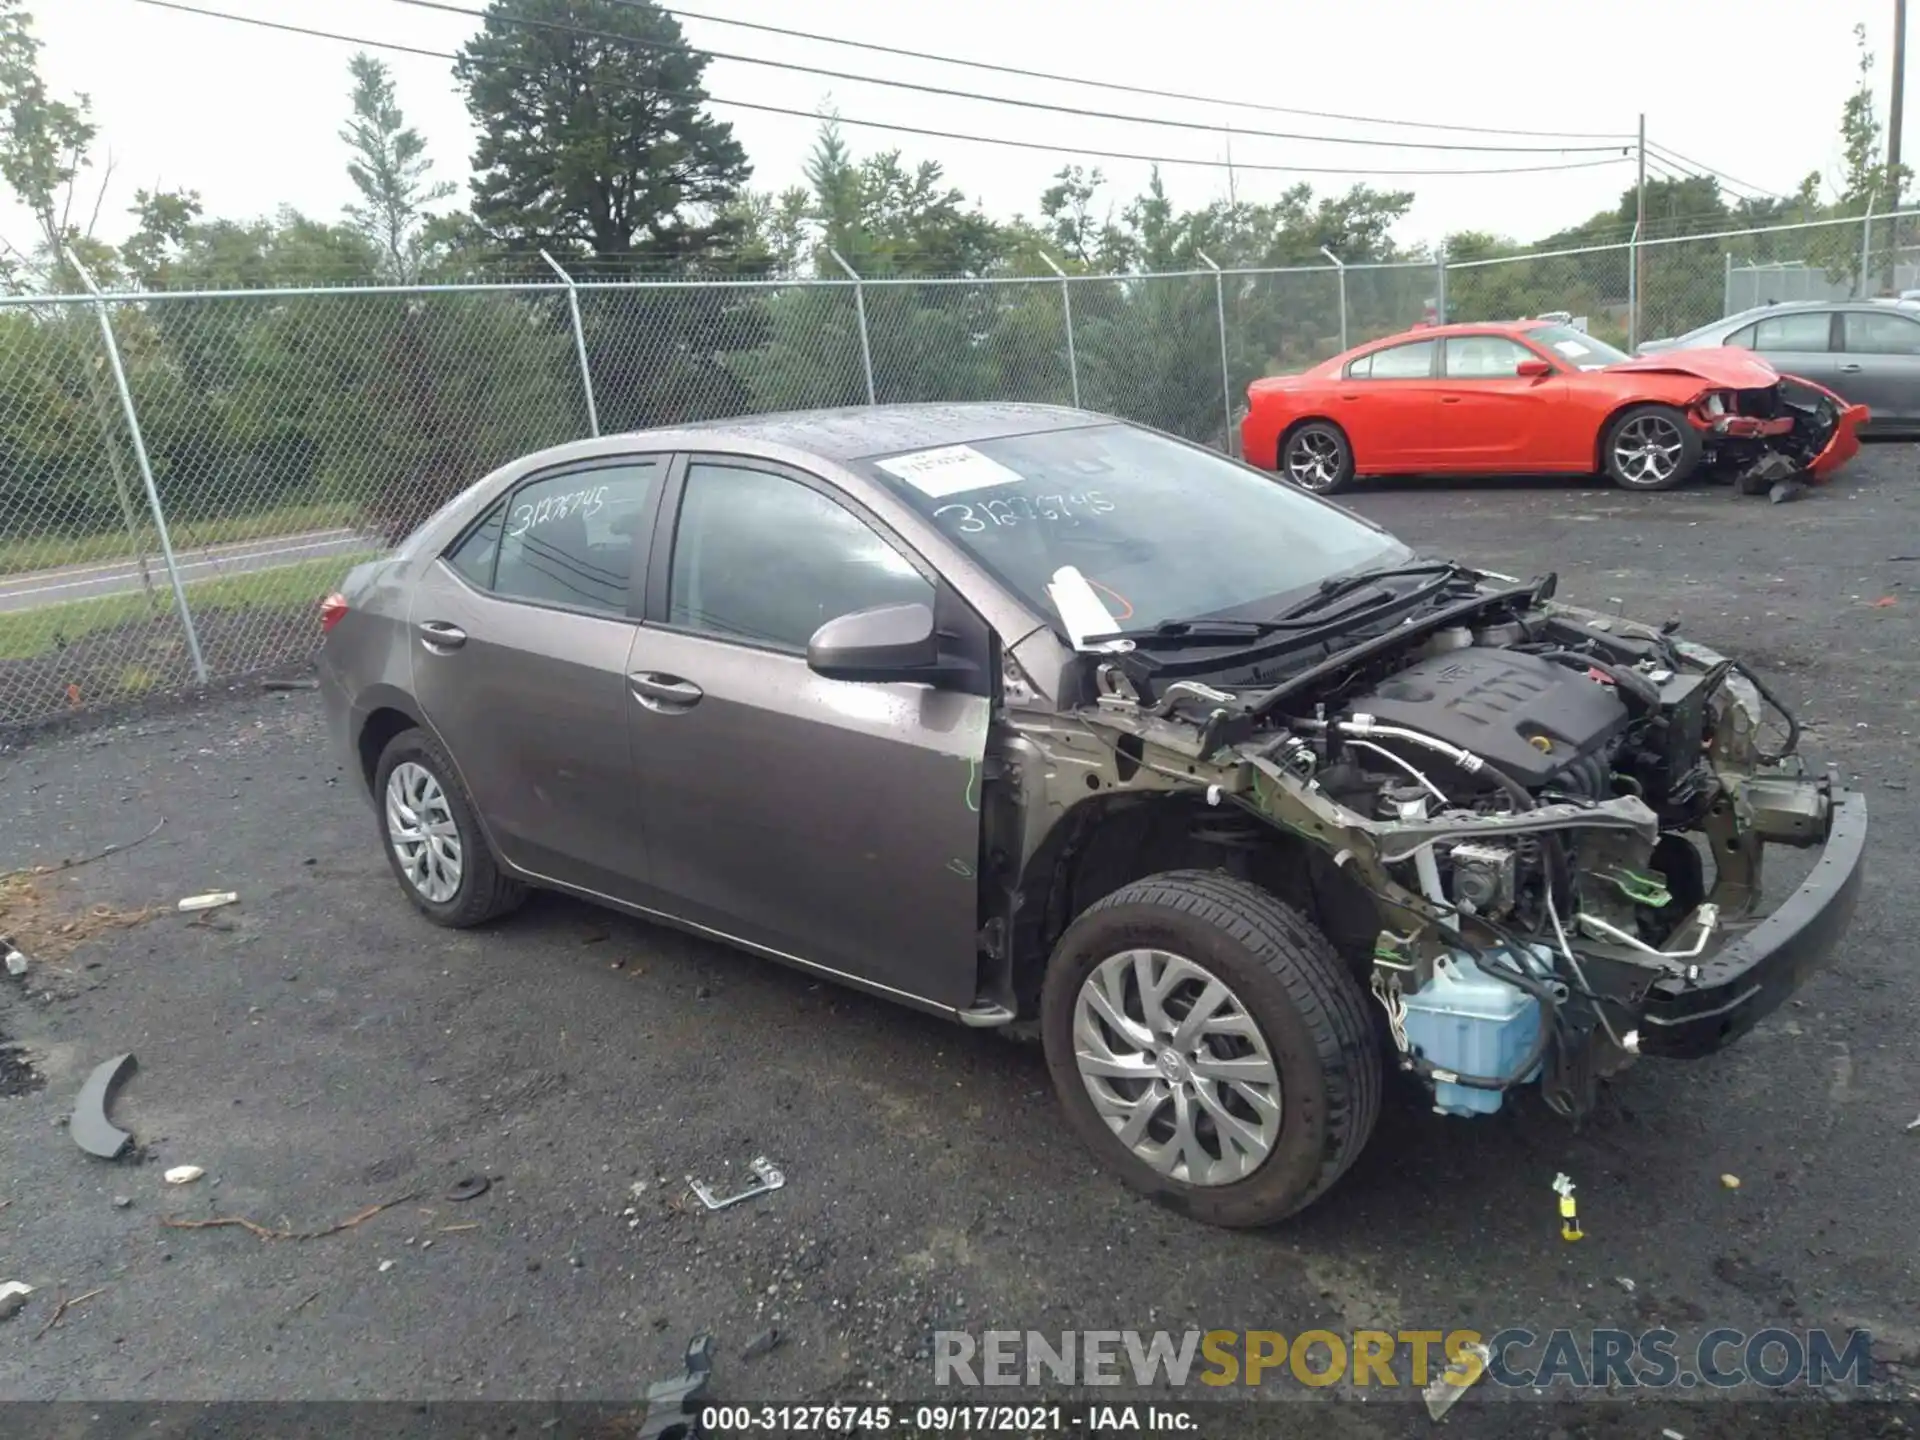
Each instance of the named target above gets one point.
<point>1468,327</point>
<point>858,431</point>
<point>1843,302</point>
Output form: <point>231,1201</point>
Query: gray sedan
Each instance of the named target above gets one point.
<point>1020,714</point>
<point>1866,351</point>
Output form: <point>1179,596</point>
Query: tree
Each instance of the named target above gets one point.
<point>45,144</point>
<point>594,137</point>
<point>389,168</point>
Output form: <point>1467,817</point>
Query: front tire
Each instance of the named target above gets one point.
<point>1650,447</point>
<point>1318,458</point>
<point>1210,1047</point>
<point>433,839</point>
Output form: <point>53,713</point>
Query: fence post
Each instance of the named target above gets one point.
<point>1440,285</point>
<point>1866,245</point>
<point>860,307</point>
<point>1226,376</point>
<point>579,342</point>
<point>1633,290</point>
<point>1341,270</point>
<point>1066,308</point>
<point>146,467</point>
<point>1726,288</point>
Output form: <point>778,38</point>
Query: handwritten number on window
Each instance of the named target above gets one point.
<point>1010,511</point>
<point>529,515</point>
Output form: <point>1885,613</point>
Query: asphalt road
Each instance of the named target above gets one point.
<point>319,1049</point>
<point>117,577</point>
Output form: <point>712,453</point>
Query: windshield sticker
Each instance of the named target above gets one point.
<point>972,518</point>
<point>949,470</point>
<point>1083,611</point>
<point>1573,348</point>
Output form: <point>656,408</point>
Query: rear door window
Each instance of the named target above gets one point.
<point>1397,362</point>
<point>1869,332</point>
<point>1802,334</point>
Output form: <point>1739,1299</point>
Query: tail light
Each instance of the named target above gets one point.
<point>333,610</point>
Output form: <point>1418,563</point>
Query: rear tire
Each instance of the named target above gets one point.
<point>1650,447</point>
<point>1317,458</point>
<point>433,839</point>
<point>1288,1021</point>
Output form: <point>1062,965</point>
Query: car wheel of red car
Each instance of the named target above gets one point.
<point>1650,447</point>
<point>1317,457</point>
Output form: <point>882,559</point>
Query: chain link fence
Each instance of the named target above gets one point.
<point>183,475</point>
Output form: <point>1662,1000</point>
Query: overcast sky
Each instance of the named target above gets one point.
<point>250,118</point>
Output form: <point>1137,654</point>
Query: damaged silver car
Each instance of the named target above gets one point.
<point>1023,714</point>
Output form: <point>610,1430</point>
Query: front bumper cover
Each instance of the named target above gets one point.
<point>1748,979</point>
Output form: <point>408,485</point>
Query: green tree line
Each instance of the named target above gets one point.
<point>600,151</point>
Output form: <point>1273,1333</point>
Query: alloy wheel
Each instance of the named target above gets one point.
<point>1176,1067</point>
<point>1314,460</point>
<point>1647,450</point>
<point>423,833</point>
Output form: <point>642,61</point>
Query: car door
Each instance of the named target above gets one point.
<point>1385,402</point>
<point>1486,416</point>
<point>827,821</point>
<point>1798,342</point>
<point>1880,365</point>
<point>521,636</point>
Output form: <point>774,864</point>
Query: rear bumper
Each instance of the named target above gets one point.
<point>1750,977</point>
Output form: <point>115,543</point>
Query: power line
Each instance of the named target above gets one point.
<point>908,129</point>
<point>1721,175</point>
<point>662,46</point>
<point>1117,85</point>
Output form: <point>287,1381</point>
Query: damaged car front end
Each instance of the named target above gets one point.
<point>1539,832</point>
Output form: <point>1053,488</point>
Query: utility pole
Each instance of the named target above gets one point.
<point>1894,117</point>
<point>1639,232</point>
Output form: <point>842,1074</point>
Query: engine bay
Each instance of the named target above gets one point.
<point>1555,820</point>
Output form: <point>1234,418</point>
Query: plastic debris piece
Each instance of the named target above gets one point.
<point>1732,1182</point>
<point>13,1295</point>
<point>16,961</point>
<point>210,901</point>
<point>1916,1123</point>
<point>1671,1435</point>
<point>762,1344</point>
<point>90,1128</point>
<point>1447,1387</point>
<point>1569,1212</point>
<point>183,1174</point>
<point>671,1408</point>
<point>1884,602</point>
<point>471,1188</point>
<point>1625,1283</point>
<point>386,1265</point>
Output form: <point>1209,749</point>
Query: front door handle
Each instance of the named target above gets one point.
<point>1449,399</point>
<point>667,694</point>
<point>1850,369</point>
<point>440,637</point>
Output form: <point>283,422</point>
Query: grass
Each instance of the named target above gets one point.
<point>48,552</point>
<point>25,634</point>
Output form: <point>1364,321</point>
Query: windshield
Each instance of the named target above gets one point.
<point>1577,348</point>
<point>1160,529</point>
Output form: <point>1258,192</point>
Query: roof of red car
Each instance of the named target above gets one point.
<point>1511,327</point>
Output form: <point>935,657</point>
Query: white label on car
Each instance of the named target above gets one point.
<point>1571,347</point>
<point>949,470</point>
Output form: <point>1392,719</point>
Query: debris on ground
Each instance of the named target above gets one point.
<point>16,961</point>
<point>13,1295</point>
<point>273,684</point>
<point>385,1265</point>
<point>471,1188</point>
<point>1916,1123</point>
<point>1625,1283</point>
<point>264,1233</point>
<point>1764,474</point>
<point>1671,1435</point>
<point>762,1344</point>
<point>1732,1182</point>
<point>1885,602</point>
<point>211,901</point>
<point>90,1128</point>
<point>39,930</point>
<point>60,1311</point>
<point>1569,1210</point>
<point>1447,1387</point>
<point>122,1202</point>
<point>1785,490</point>
<point>183,1174</point>
<point>673,1405</point>
<point>767,1178</point>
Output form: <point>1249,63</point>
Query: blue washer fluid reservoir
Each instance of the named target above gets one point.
<point>1472,1023</point>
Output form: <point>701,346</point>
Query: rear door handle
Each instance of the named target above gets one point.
<point>1449,399</point>
<point>667,694</point>
<point>439,636</point>
<point>1850,369</point>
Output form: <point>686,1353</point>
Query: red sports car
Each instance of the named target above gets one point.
<point>1534,397</point>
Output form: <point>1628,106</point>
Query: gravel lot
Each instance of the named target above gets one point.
<point>319,1049</point>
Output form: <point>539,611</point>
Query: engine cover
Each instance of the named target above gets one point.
<point>1531,718</point>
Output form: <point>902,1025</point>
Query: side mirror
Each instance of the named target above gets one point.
<point>1533,369</point>
<point>886,643</point>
